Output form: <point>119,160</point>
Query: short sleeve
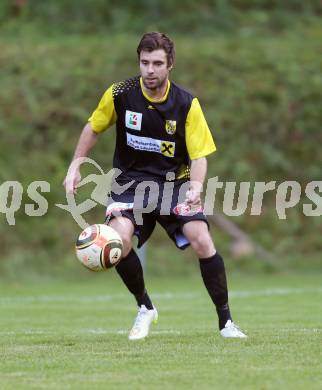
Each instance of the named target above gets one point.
<point>199,140</point>
<point>104,116</point>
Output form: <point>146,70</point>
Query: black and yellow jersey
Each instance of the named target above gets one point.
<point>153,137</point>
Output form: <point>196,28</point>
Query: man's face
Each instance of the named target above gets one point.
<point>154,68</point>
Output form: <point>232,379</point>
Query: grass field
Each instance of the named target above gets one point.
<point>73,335</point>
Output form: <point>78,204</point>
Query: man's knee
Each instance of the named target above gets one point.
<point>201,243</point>
<point>127,245</point>
<point>125,229</point>
<point>200,240</point>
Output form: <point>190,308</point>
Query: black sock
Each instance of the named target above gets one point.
<point>131,272</point>
<point>214,276</point>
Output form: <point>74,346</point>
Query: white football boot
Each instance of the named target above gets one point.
<point>232,331</point>
<point>143,322</point>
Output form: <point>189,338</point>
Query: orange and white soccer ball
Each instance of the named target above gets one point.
<point>99,247</point>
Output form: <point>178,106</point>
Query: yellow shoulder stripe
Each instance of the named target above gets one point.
<point>199,140</point>
<point>104,116</point>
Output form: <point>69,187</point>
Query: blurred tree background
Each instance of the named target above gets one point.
<point>256,66</point>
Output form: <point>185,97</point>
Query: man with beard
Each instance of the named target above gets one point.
<point>162,140</point>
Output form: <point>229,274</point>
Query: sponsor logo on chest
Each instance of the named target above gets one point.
<point>133,120</point>
<point>147,144</point>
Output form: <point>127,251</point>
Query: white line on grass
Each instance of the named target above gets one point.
<point>274,291</point>
<point>160,296</point>
<point>100,331</point>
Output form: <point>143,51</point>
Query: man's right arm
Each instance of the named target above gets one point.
<point>85,143</point>
<point>102,118</point>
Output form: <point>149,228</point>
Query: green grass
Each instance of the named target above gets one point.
<point>73,335</point>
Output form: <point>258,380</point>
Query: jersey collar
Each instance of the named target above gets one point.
<point>163,99</point>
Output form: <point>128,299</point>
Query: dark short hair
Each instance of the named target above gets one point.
<point>156,40</point>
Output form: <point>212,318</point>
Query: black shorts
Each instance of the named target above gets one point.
<point>148,202</point>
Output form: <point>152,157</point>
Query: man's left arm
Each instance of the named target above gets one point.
<point>198,172</point>
<point>200,144</point>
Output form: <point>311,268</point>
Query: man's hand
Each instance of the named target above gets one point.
<point>198,171</point>
<point>193,194</point>
<point>71,181</point>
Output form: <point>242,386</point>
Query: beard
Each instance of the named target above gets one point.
<point>154,83</point>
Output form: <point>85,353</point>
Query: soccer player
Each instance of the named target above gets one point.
<point>162,140</point>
